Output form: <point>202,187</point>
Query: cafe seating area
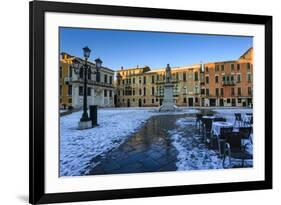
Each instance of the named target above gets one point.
<point>230,137</point>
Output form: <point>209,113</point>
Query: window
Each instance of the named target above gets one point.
<point>139,80</point>
<point>110,80</point>
<point>157,77</point>
<point>238,67</point>
<point>152,91</point>
<point>105,93</point>
<point>238,78</point>
<point>202,91</point>
<point>249,77</point>
<point>152,79</point>
<point>249,91</point>
<point>144,80</point>
<point>232,91</point>
<point>207,79</point>
<point>89,91</point>
<point>81,73</point>
<point>70,100</point>
<point>222,92</point>
<point>143,101</point>
<point>232,67</point>
<point>232,78</point>
<point>239,91</point>
<point>196,76</point>
<point>217,92</point>
<point>184,100</point>
<point>196,100</point>
<point>134,92</point>
<point>184,77</point>
<point>228,100</point>
<point>177,76</point>
<point>69,90</point>
<point>89,74</point>
<point>239,100</point>
<point>60,72</point>
<point>217,68</point>
<point>81,90</point>
<point>222,68</point>
<point>207,92</point>
<point>227,78</point>
<point>98,77</point>
<point>134,81</point>
<point>105,78</point>
<point>217,79</point>
<point>152,101</point>
<point>207,69</point>
<point>60,90</point>
<point>144,91</point>
<point>223,78</point>
<point>110,93</point>
<point>248,66</point>
<point>139,91</point>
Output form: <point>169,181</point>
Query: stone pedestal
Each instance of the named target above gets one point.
<point>168,101</point>
<point>84,125</point>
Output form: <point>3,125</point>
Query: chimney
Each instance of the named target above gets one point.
<point>121,67</point>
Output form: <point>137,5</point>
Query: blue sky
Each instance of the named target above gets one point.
<point>155,49</point>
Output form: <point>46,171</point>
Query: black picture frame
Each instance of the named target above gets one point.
<point>37,9</point>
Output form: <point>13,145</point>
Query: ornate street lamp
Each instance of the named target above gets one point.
<point>85,121</point>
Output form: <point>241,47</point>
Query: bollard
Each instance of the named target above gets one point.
<point>94,115</point>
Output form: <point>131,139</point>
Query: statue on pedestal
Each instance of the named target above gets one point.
<point>168,101</point>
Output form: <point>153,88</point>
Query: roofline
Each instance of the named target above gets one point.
<point>87,61</point>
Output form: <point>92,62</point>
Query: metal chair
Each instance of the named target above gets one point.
<point>238,119</point>
<point>235,149</point>
<point>224,133</point>
<point>208,129</point>
<point>199,120</point>
<point>245,133</point>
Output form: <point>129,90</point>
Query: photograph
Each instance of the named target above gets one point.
<point>134,102</point>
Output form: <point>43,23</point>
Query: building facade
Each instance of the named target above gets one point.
<point>100,88</point>
<point>143,87</point>
<point>228,83</point>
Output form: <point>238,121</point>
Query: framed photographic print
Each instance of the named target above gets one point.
<point>140,102</point>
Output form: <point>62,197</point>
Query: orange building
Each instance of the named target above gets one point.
<point>228,83</point>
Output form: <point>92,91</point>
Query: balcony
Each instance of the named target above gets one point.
<point>228,83</point>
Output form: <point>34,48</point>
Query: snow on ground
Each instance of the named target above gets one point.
<point>79,147</point>
<point>192,153</point>
<point>228,113</point>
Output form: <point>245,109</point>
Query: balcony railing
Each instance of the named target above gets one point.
<point>230,82</point>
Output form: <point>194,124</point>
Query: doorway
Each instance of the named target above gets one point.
<point>128,103</point>
<point>190,102</point>
<point>139,102</point>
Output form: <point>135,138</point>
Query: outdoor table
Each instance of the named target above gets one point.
<point>247,118</point>
<point>216,128</point>
<point>209,117</point>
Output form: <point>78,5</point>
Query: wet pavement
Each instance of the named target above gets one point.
<point>148,150</point>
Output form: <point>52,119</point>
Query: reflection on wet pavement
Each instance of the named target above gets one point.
<point>148,150</point>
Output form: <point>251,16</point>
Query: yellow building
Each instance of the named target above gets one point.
<point>143,87</point>
<point>100,88</point>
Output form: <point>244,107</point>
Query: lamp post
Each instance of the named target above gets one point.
<point>85,121</point>
<point>85,116</point>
